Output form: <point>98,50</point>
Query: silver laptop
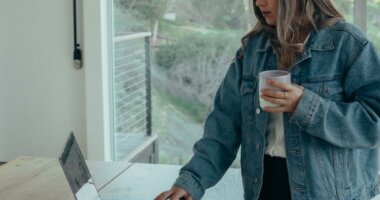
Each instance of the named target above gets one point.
<point>76,171</point>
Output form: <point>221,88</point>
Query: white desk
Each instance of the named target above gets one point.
<point>43,179</point>
<point>145,181</point>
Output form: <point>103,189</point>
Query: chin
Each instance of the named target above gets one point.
<point>271,23</point>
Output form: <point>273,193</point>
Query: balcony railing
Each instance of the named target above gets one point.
<point>132,118</point>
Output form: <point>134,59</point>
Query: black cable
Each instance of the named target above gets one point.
<point>77,52</point>
<point>75,23</point>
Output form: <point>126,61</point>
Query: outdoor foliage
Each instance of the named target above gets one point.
<point>216,14</point>
<point>126,21</point>
<point>197,62</point>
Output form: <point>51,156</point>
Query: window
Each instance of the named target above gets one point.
<point>131,90</point>
<point>347,8</point>
<point>192,44</point>
<point>373,22</point>
<point>365,14</point>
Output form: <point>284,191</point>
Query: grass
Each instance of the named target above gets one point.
<point>192,109</point>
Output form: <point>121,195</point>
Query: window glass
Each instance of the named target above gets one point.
<point>346,7</point>
<point>373,17</point>
<point>373,21</point>
<point>131,99</point>
<point>192,44</point>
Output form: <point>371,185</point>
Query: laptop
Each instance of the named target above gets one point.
<point>76,171</point>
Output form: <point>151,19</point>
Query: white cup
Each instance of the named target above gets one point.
<point>276,75</point>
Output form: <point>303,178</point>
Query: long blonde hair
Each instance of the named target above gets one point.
<point>295,19</point>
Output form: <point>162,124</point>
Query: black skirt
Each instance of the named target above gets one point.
<point>275,181</point>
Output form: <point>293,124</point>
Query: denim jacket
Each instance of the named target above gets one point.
<point>331,139</point>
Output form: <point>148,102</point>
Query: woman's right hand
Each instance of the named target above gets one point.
<point>176,193</point>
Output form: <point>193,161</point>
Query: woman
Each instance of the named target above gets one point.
<point>321,143</point>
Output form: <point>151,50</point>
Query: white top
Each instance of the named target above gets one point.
<point>275,145</point>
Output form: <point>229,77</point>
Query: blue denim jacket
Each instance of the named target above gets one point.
<point>331,139</point>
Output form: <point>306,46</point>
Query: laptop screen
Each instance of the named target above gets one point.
<point>76,171</point>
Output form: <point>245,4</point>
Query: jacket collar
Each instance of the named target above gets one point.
<point>266,45</point>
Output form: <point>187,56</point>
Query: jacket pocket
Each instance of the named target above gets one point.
<point>325,167</point>
<point>330,89</point>
<point>342,184</point>
<point>333,168</point>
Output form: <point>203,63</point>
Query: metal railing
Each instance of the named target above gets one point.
<point>132,107</point>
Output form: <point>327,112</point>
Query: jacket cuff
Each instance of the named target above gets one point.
<point>191,185</point>
<point>306,107</point>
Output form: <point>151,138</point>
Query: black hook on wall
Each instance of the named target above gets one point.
<point>77,51</point>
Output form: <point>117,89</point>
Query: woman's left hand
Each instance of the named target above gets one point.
<point>287,99</point>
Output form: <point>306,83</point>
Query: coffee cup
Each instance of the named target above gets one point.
<point>276,75</point>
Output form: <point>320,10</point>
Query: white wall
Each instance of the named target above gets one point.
<point>42,97</point>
